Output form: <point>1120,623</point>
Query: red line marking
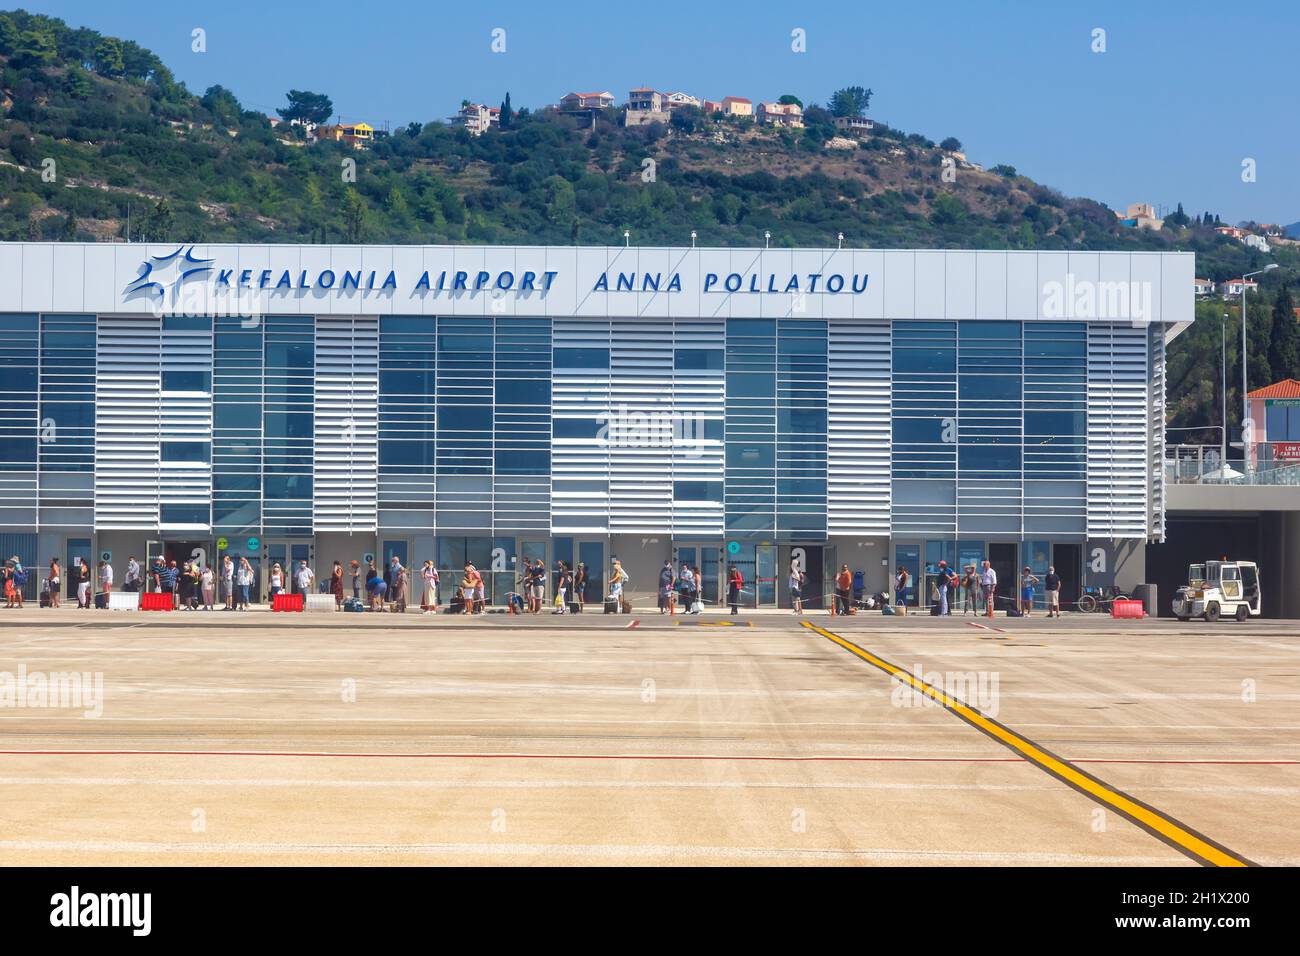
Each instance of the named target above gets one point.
<point>552,756</point>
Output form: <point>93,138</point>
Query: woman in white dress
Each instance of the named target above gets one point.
<point>429,596</point>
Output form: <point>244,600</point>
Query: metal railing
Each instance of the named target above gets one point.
<point>1203,465</point>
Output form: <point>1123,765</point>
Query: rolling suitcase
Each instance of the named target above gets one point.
<point>101,601</point>
<point>611,605</point>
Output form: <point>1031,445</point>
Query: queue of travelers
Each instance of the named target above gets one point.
<point>970,590</point>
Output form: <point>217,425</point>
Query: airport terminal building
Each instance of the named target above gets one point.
<point>496,404</point>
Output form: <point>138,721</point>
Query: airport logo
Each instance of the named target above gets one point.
<point>160,273</point>
<point>61,690</point>
<point>75,909</point>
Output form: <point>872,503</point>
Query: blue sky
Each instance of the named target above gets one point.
<point>1185,90</point>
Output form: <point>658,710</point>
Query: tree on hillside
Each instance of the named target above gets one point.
<point>307,107</point>
<point>786,99</point>
<point>222,104</point>
<point>952,145</point>
<point>354,217</point>
<point>1284,340</point>
<point>68,232</point>
<point>1178,217</point>
<point>34,49</point>
<point>850,101</point>
<point>507,114</point>
<point>158,223</point>
<point>108,57</point>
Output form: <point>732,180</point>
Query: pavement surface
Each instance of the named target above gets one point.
<point>218,738</point>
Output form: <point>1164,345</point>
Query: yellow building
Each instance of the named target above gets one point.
<point>358,135</point>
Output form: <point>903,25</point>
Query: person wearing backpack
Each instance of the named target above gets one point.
<point>15,578</point>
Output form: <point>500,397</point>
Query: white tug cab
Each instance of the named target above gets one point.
<point>1219,588</point>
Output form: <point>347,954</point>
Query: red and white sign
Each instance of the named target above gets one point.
<point>1286,451</point>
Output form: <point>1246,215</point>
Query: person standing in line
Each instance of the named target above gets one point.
<point>617,580</point>
<point>580,587</point>
<point>336,585</point>
<point>970,586</point>
<point>208,586</point>
<point>735,582</point>
<point>686,582</point>
<point>11,587</point>
<point>1052,591</point>
<point>666,587</point>
<point>105,580</point>
<point>429,589</point>
<point>900,590</point>
<point>989,587</point>
<point>539,586</point>
<point>83,583</point>
<point>480,591</point>
<point>55,579</point>
<point>355,568</point>
<point>796,587</point>
<point>1027,583</point>
<point>228,581</point>
<point>131,583</point>
<point>467,587</point>
<point>171,580</point>
<point>944,585</point>
<point>376,587</point>
<point>843,589</point>
<point>562,581</point>
<point>304,578</point>
<point>194,581</point>
<point>275,581</point>
<point>397,575</point>
<point>698,577</point>
<point>243,581</point>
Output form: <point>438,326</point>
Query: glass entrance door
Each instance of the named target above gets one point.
<point>591,555</point>
<point>709,559</point>
<point>289,555</point>
<point>78,548</point>
<point>907,556</point>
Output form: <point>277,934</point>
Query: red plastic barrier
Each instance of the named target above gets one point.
<point>157,601</point>
<point>287,602</point>
<point>1127,609</point>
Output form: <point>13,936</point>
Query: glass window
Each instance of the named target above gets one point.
<point>697,490</point>
<point>186,451</point>
<point>581,358</point>
<point>577,427</point>
<point>183,514</point>
<point>699,359</point>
